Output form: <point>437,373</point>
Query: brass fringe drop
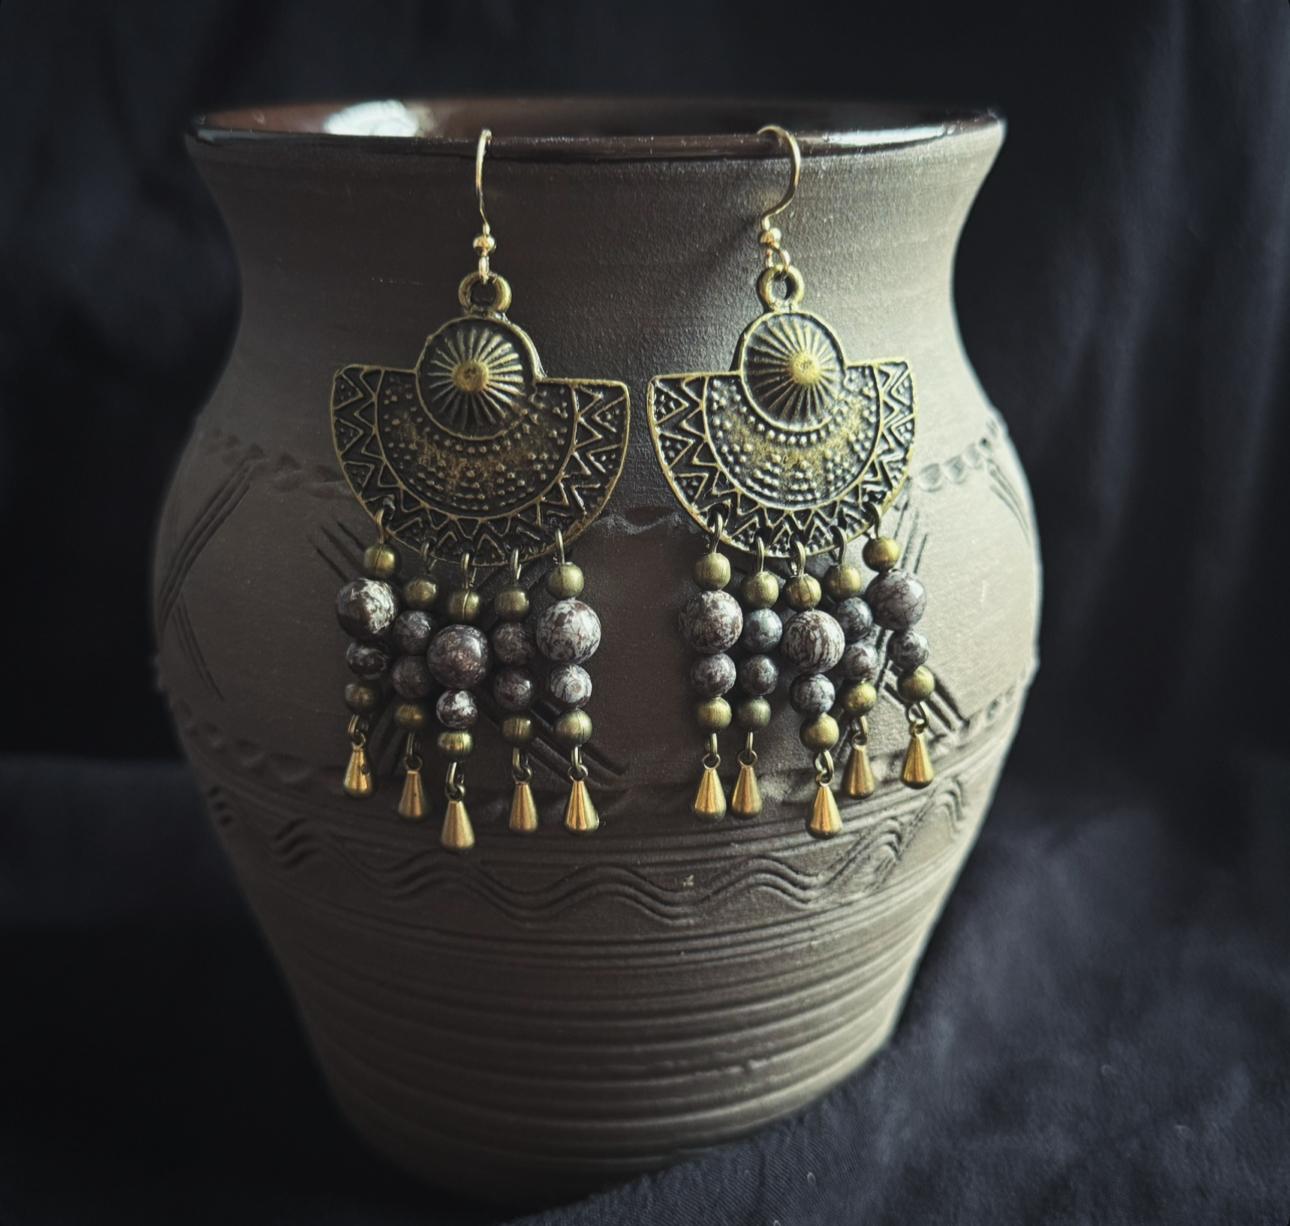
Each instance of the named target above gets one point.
<point>580,814</point>
<point>745,800</point>
<point>358,774</point>
<point>858,781</point>
<point>524,817</point>
<point>710,800</point>
<point>825,821</point>
<point>917,771</point>
<point>458,834</point>
<point>412,804</point>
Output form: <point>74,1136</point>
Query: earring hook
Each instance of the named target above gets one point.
<point>795,155</point>
<point>485,244</point>
<point>485,136</point>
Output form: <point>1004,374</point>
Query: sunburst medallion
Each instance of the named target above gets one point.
<point>793,368</point>
<point>475,376</point>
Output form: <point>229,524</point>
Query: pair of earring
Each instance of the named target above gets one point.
<point>475,459</point>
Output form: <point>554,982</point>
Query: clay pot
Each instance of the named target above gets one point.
<point>551,1012</point>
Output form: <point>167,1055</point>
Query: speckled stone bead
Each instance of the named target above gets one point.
<point>812,642</point>
<point>568,632</point>
<point>456,709</point>
<point>366,609</point>
<point>855,617</point>
<point>515,689</point>
<point>412,632</point>
<point>514,642</point>
<point>712,622</point>
<point>411,677</point>
<point>367,661</point>
<point>762,631</point>
<point>860,662</point>
<point>569,686</point>
<point>714,675</point>
<point>897,600</point>
<point>758,676</point>
<point>459,657</point>
<point>811,694</point>
<point>908,649</point>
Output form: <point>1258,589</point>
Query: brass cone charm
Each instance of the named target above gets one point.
<point>580,814</point>
<point>358,774</point>
<point>858,781</point>
<point>917,771</point>
<point>458,834</point>
<point>825,821</point>
<point>524,818</point>
<point>710,800</point>
<point>412,804</point>
<point>745,800</point>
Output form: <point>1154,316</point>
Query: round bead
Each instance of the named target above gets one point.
<point>820,733</point>
<point>713,714</point>
<point>841,582</point>
<point>411,632</point>
<point>573,728</point>
<point>565,580</point>
<point>459,657</point>
<point>855,618</point>
<point>811,694</point>
<point>858,698</point>
<point>762,631</point>
<point>367,661</point>
<point>860,662</point>
<point>907,650</point>
<point>362,699</point>
<point>411,677</point>
<point>455,744</point>
<point>411,716</point>
<point>758,676</point>
<point>515,689</point>
<point>760,590</point>
<point>712,571</point>
<point>712,622</point>
<point>881,553</point>
<point>802,591</point>
<point>568,632</point>
<point>420,593</point>
<point>380,562</point>
<point>752,714</point>
<point>512,603</point>
<point>916,686</point>
<point>812,642</point>
<point>464,605</point>
<point>518,730</point>
<point>897,600</point>
<point>514,642</point>
<point>366,608</point>
<point>569,686</point>
<point>456,709</point>
<point>712,676</point>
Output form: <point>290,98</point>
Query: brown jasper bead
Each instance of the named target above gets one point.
<point>712,676</point>
<point>843,581</point>
<point>860,662</point>
<point>858,698</point>
<point>712,571</point>
<point>380,562</point>
<point>565,581</point>
<point>362,699</point>
<point>367,661</point>
<point>464,606</point>
<point>411,716</point>
<point>820,733</point>
<point>512,603</point>
<point>760,590</point>
<point>573,728</point>
<point>455,744</point>
<point>713,714</point>
<point>881,553</point>
<point>568,632</point>
<point>896,599</point>
<point>411,677</point>
<point>712,622</point>
<point>762,631</point>
<point>802,591</point>
<point>811,694</point>
<point>752,714</point>
<point>916,686</point>
<point>515,689</point>
<point>366,609</point>
<point>459,657</point>
<point>569,686</point>
<point>420,593</point>
<point>456,709</point>
<point>514,643</point>
<point>907,650</point>
<point>812,642</point>
<point>518,730</point>
<point>855,618</point>
<point>411,632</point>
<point>758,676</point>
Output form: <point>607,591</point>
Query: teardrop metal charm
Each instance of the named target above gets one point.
<point>917,771</point>
<point>580,814</point>
<point>358,774</point>
<point>412,804</point>
<point>458,834</point>
<point>524,818</point>
<point>825,821</point>
<point>858,781</point>
<point>710,799</point>
<point>745,800</point>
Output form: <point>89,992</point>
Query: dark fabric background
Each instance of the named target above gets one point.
<point>1101,1029</point>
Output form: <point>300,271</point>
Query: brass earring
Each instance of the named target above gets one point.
<point>442,457</point>
<point>793,452</point>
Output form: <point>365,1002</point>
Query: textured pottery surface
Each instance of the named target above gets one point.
<point>551,1012</point>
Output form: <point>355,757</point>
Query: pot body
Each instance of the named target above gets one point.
<point>552,1012</point>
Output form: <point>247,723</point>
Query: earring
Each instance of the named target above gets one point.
<point>793,452</point>
<point>474,458</point>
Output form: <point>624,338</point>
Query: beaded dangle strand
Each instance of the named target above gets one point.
<point>758,675</point>
<point>515,691</point>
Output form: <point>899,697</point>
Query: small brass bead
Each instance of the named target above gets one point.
<point>380,561</point>
<point>565,581</point>
<point>713,714</point>
<point>464,605</point>
<point>485,244</point>
<point>512,603</point>
<point>916,686</point>
<point>752,714</point>
<point>881,553</point>
<point>518,730</point>
<point>712,571</point>
<point>820,733</point>
<point>858,699</point>
<point>456,744</point>
<point>420,593</point>
<point>362,699</point>
<point>843,582</point>
<point>760,590</point>
<point>573,728</point>
<point>411,716</point>
<point>803,592</point>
